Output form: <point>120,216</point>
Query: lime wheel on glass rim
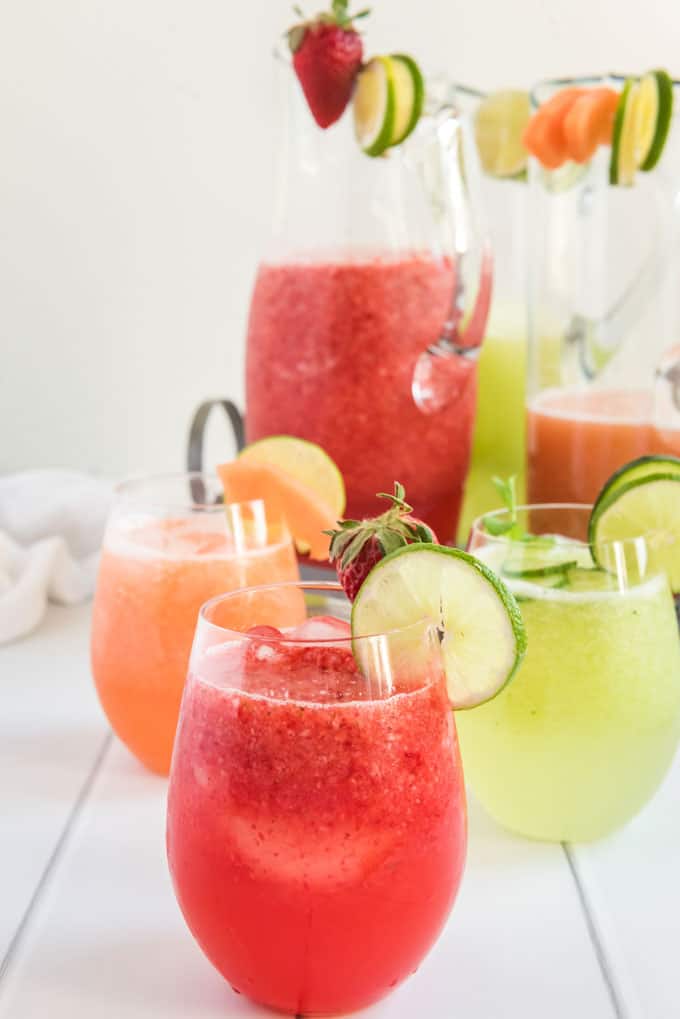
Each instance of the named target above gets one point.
<point>482,636</point>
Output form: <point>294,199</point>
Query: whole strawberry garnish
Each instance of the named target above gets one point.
<point>359,544</point>
<point>327,53</point>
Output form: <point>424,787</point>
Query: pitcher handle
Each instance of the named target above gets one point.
<point>440,374</point>
<point>197,430</point>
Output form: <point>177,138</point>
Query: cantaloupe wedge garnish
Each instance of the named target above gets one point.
<point>306,515</point>
<point>571,125</point>
<point>590,123</point>
<point>544,134</point>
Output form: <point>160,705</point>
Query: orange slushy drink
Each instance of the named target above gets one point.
<point>577,438</point>
<point>161,560</point>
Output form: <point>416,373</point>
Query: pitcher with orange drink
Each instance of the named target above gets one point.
<point>604,265</point>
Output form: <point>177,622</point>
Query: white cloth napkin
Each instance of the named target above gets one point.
<point>51,527</point>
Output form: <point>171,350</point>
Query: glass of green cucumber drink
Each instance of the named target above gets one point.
<point>580,740</point>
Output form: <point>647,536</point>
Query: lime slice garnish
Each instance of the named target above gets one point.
<point>624,161</point>
<point>647,507</point>
<point>374,106</point>
<point>641,126</point>
<point>409,96</point>
<point>655,109</point>
<point>643,467</point>
<point>499,124</point>
<point>483,638</point>
<point>388,101</point>
<point>304,461</point>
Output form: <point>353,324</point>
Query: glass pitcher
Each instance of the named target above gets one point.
<point>370,305</point>
<point>604,317</point>
<point>499,441</point>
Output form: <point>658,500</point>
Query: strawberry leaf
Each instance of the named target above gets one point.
<point>398,499</point>
<point>390,541</point>
<point>353,549</point>
<point>423,532</point>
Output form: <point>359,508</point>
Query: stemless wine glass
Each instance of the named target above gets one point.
<point>582,737</point>
<point>316,814</point>
<point>169,546</point>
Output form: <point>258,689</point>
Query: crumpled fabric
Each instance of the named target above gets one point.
<point>51,528</point>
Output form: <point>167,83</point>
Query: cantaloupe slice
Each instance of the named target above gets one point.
<point>544,134</point>
<point>305,514</point>
<point>589,123</point>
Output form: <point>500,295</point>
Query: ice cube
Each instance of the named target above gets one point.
<point>221,664</point>
<point>321,628</point>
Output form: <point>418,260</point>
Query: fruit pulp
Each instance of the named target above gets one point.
<point>332,347</point>
<point>577,439</point>
<point>153,577</point>
<point>316,839</point>
<point>581,738</point>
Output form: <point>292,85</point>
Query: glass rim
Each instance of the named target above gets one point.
<point>585,80</point>
<point>329,586</point>
<point>129,485</point>
<point>477,527</point>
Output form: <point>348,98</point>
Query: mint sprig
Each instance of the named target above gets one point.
<point>507,490</point>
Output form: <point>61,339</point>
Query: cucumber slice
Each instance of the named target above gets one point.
<point>643,467</point>
<point>483,635</point>
<point>543,556</point>
<point>646,507</point>
<point>409,96</point>
<point>374,106</point>
<point>581,580</point>
<point>655,110</point>
<point>556,573</point>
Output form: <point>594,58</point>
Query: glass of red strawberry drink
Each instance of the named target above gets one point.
<point>316,817</point>
<point>370,264</point>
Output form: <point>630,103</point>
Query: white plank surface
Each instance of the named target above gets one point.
<point>107,940</point>
<point>51,731</point>
<point>632,884</point>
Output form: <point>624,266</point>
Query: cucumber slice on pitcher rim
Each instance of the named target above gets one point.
<point>483,636</point>
<point>646,507</point>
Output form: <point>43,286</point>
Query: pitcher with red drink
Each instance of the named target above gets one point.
<point>370,304</point>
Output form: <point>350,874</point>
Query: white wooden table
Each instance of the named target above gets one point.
<point>89,928</point>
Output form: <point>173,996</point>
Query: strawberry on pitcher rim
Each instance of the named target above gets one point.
<point>327,57</point>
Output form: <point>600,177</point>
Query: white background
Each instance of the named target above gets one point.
<point>135,159</point>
